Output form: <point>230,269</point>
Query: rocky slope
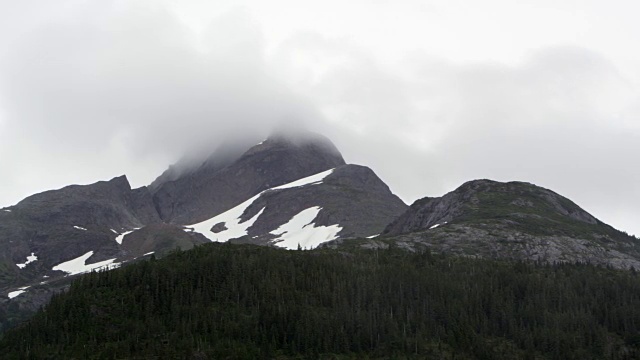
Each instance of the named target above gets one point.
<point>510,220</point>
<point>348,201</point>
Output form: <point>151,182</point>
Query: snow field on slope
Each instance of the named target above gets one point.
<point>437,225</point>
<point>31,258</point>
<point>20,291</point>
<point>120,237</point>
<point>79,265</point>
<point>231,218</point>
<point>309,180</point>
<point>300,231</point>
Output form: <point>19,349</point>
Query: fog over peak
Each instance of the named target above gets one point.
<point>426,96</point>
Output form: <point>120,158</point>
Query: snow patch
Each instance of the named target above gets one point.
<point>31,258</point>
<point>149,253</point>
<point>373,236</point>
<point>300,231</point>
<point>120,237</point>
<point>79,228</point>
<point>115,232</point>
<point>7,210</point>
<point>79,265</point>
<point>20,291</point>
<point>436,225</point>
<point>309,180</point>
<point>231,218</point>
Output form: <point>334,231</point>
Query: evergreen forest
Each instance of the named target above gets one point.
<point>225,301</point>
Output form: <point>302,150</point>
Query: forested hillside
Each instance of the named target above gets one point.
<point>246,302</point>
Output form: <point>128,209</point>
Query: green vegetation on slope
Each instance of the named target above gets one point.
<point>229,301</point>
<point>537,211</point>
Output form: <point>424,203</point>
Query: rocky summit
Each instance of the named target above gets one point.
<point>224,181</point>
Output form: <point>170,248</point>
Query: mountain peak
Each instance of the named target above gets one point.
<point>237,171</point>
<point>488,200</point>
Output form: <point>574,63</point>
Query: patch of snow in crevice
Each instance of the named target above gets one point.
<point>261,142</point>
<point>301,231</point>
<point>120,237</point>
<point>187,229</point>
<point>79,228</point>
<point>309,180</point>
<point>373,236</point>
<point>115,232</point>
<point>7,210</point>
<point>20,291</point>
<point>79,265</point>
<point>31,258</point>
<point>436,225</point>
<point>149,253</point>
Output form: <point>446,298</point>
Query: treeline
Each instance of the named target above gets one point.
<point>222,301</point>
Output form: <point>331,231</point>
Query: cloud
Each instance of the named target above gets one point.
<point>564,118</point>
<point>100,90</point>
<point>92,90</point>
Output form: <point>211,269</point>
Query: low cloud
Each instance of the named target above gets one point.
<point>101,90</point>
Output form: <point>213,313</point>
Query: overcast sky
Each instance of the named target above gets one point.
<point>429,94</point>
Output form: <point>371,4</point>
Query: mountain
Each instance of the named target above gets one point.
<point>513,220</point>
<point>292,189</point>
<point>295,191</point>
<point>348,201</point>
<point>225,179</point>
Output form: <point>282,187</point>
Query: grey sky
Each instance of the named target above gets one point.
<point>427,93</point>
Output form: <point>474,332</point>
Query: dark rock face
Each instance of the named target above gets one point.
<point>219,227</point>
<point>160,239</point>
<point>60,225</point>
<point>352,197</point>
<point>216,187</point>
<point>106,203</point>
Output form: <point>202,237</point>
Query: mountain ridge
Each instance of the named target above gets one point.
<point>515,220</point>
<point>82,227</point>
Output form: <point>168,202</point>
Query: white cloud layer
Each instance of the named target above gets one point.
<point>428,94</point>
